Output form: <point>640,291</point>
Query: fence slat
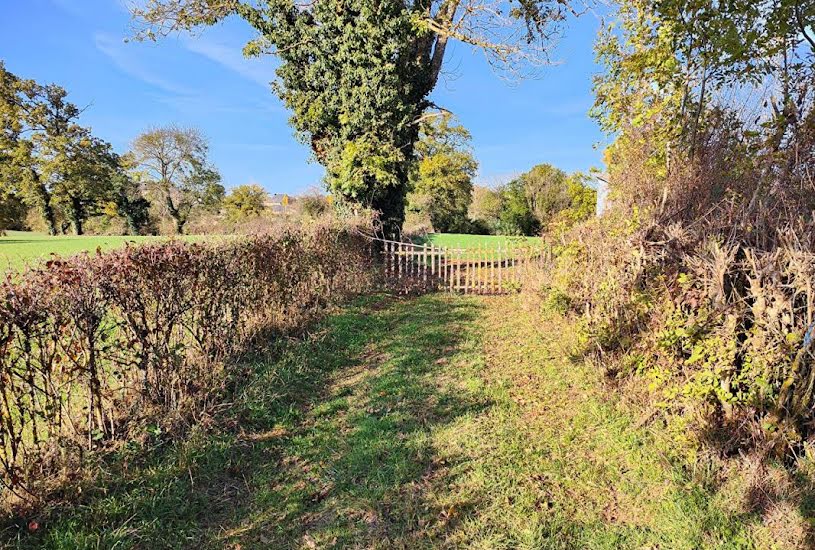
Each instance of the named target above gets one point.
<point>448,262</point>
<point>468,262</point>
<point>500,268</point>
<point>424,263</point>
<point>485,271</point>
<point>482,270</point>
<point>492,271</point>
<point>390,260</point>
<point>458,270</point>
<point>477,271</point>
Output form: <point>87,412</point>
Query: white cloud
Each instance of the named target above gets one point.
<point>129,64</point>
<point>233,59</point>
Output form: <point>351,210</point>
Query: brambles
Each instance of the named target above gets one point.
<point>713,325</point>
<point>97,348</point>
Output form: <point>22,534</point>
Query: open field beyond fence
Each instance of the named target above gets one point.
<point>21,248</point>
<point>465,241</point>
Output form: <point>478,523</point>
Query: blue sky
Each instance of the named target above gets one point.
<point>204,81</point>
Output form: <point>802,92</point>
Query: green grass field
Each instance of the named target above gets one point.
<point>21,248</point>
<point>461,240</point>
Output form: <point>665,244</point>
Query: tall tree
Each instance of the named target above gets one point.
<point>127,196</point>
<point>673,65</point>
<point>245,201</point>
<point>357,74</point>
<point>517,216</point>
<point>89,167</point>
<point>442,184</point>
<point>485,209</point>
<point>46,157</point>
<point>175,168</point>
<point>546,191</point>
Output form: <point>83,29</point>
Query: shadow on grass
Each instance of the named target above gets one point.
<point>326,445</point>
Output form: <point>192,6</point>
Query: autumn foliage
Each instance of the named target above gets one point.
<point>97,349</point>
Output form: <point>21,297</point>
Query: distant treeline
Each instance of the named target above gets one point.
<point>56,176</point>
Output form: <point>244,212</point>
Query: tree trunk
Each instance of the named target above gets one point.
<point>50,218</point>
<point>77,216</point>
<point>390,203</point>
<point>44,203</point>
<point>132,226</point>
<point>175,213</point>
<point>179,225</point>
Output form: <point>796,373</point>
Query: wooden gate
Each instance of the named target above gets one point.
<point>466,270</point>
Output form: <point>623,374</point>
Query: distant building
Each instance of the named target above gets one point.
<point>602,192</point>
<point>278,203</point>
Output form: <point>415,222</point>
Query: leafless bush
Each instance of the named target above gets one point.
<point>95,347</point>
<point>701,279</point>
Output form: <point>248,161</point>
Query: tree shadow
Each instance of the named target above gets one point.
<point>357,468</point>
<point>327,444</point>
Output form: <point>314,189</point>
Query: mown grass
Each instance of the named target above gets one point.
<point>461,240</point>
<point>21,248</point>
<point>440,421</point>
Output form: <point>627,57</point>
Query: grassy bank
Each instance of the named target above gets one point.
<point>440,421</point>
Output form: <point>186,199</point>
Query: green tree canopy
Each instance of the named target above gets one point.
<point>546,191</point>
<point>485,209</point>
<point>89,167</point>
<point>245,201</point>
<point>356,74</point>
<point>678,71</point>
<point>46,157</point>
<point>517,216</point>
<point>543,199</point>
<point>128,198</point>
<point>442,177</point>
<point>173,164</point>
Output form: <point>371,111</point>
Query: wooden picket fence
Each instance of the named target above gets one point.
<point>465,270</point>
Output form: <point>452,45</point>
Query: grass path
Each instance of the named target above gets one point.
<point>440,421</point>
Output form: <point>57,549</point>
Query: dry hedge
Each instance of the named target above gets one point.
<point>96,348</point>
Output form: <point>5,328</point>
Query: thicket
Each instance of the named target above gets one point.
<point>97,350</point>
<point>700,281</point>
